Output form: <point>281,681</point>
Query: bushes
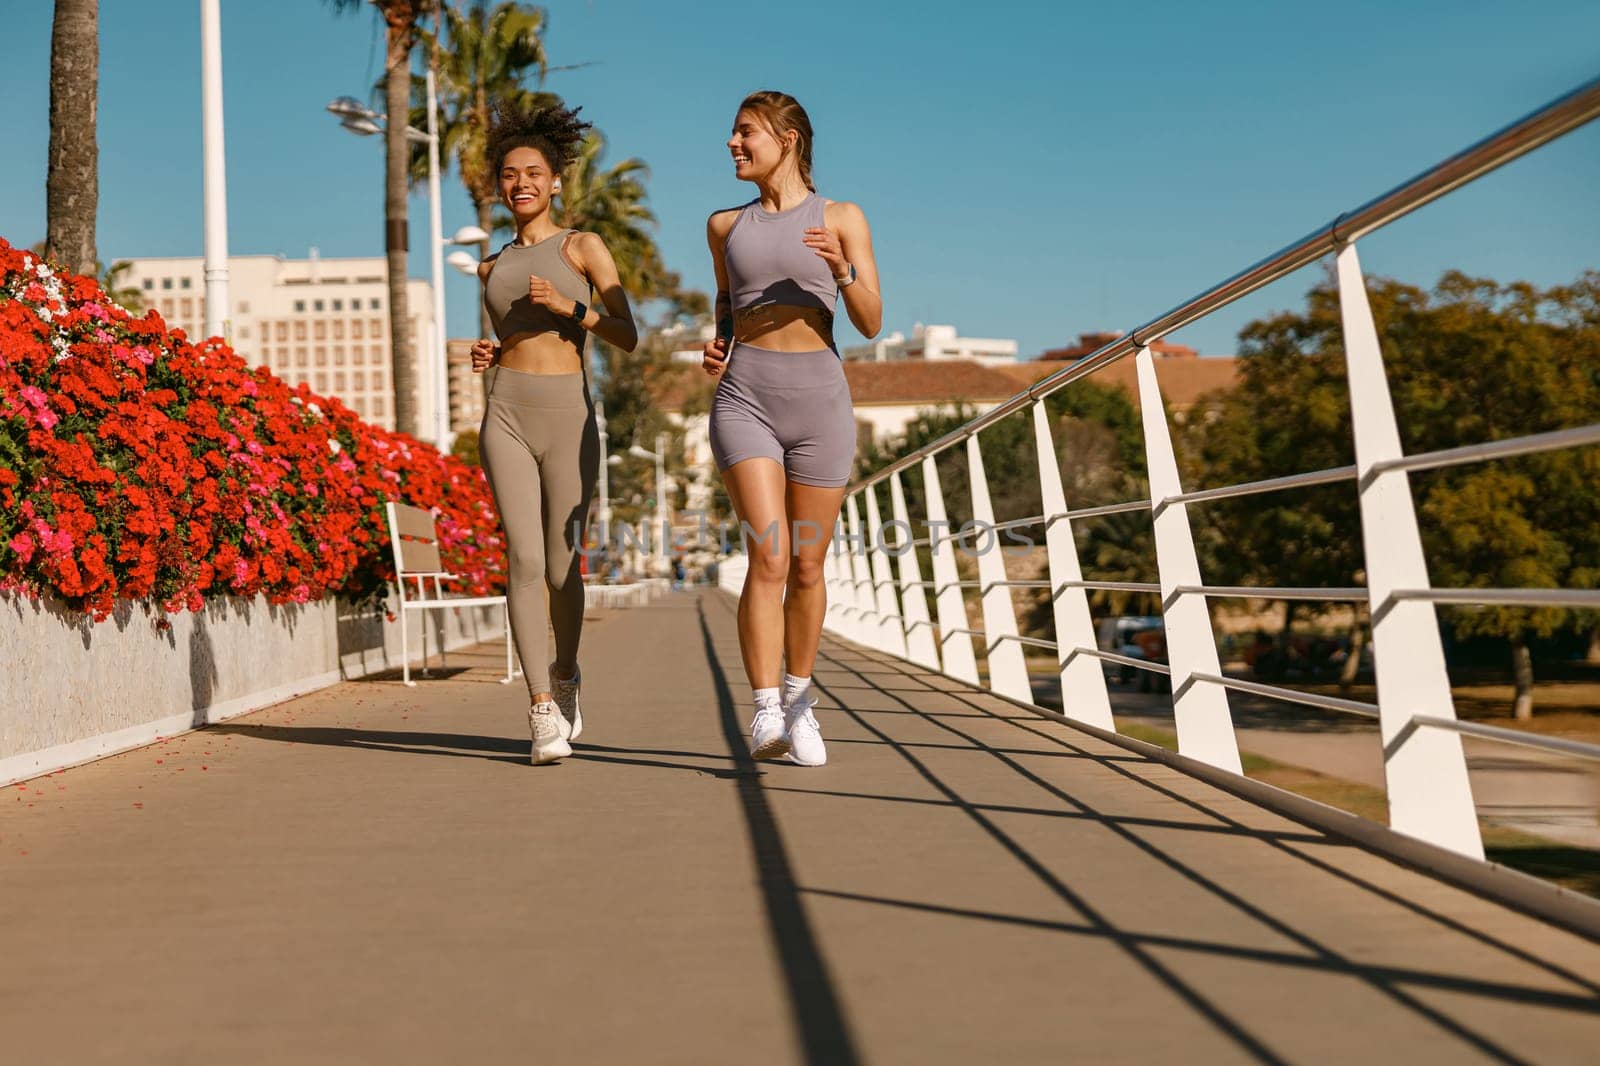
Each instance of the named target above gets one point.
<point>135,465</point>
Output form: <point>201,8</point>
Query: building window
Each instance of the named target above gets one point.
<point>316,305</point>
<point>360,406</point>
<point>338,355</point>
<point>338,328</point>
<point>319,330</point>
<point>320,381</point>
<point>300,357</point>
<point>166,283</point>
<point>322,355</point>
<point>299,331</point>
<point>355,329</point>
<point>188,307</point>
<point>184,283</point>
<point>244,307</point>
<point>358,380</point>
<point>379,407</point>
<point>300,305</point>
<point>373,304</point>
<point>149,283</point>
<point>282,332</point>
<point>375,326</point>
<point>339,382</point>
<point>283,355</point>
<point>244,332</point>
<point>338,305</point>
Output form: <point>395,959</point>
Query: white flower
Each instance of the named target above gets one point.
<point>334,446</point>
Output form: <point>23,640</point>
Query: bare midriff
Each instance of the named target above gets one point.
<point>540,353</point>
<point>784,328</point>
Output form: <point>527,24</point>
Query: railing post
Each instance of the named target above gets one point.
<point>920,646</point>
<point>1430,796</point>
<point>891,626</point>
<point>955,643</point>
<point>834,620</point>
<point>866,616</point>
<point>1008,668</point>
<point>1205,727</point>
<point>1083,679</point>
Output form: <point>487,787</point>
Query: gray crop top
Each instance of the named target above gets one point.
<point>769,263</point>
<point>505,291</point>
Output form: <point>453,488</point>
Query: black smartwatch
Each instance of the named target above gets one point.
<point>579,312</point>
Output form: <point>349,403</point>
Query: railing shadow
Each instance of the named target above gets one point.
<point>896,685</point>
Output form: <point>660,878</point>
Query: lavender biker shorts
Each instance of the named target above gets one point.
<point>792,407</point>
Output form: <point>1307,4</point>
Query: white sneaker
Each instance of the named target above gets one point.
<point>566,693</point>
<point>550,732</point>
<point>805,738</point>
<point>768,738</point>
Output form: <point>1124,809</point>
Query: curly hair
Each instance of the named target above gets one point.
<point>553,130</point>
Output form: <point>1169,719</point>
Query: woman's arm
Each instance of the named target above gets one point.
<point>845,242</point>
<point>716,351</point>
<point>615,326</point>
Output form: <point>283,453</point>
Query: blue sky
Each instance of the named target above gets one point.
<point>1031,170</point>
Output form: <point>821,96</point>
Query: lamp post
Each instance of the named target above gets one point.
<point>663,513</point>
<point>358,118</point>
<point>216,182</point>
<point>605,475</point>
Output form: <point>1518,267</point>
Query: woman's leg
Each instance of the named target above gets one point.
<point>570,466</point>
<point>514,479</point>
<point>813,511</point>
<point>756,489</point>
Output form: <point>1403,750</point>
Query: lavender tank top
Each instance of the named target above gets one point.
<point>769,263</point>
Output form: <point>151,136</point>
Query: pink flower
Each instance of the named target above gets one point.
<point>22,544</point>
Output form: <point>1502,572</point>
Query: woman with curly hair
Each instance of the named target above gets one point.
<point>539,443</point>
<point>782,428</point>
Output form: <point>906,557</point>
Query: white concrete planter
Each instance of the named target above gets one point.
<point>76,691</point>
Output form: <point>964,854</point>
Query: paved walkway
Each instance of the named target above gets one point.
<point>374,874</point>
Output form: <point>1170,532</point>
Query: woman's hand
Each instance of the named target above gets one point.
<point>544,294</point>
<point>716,356</point>
<point>484,355</point>
<point>825,243</point>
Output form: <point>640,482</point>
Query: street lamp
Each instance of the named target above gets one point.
<point>358,118</point>
<point>663,513</point>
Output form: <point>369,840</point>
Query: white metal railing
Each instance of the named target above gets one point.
<point>634,594</point>
<point>1425,768</point>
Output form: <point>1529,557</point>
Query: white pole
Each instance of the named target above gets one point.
<point>441,372</point>
<point>216,182</point>
<point>663,512</point>
<point>605,475</point>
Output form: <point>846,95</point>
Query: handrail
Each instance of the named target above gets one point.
<point>1549,122</point>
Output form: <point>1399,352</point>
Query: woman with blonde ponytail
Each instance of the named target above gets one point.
<point>782,428</point>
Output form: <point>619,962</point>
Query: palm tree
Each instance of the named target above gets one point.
<point>401,20</point>
<point>72,183</point>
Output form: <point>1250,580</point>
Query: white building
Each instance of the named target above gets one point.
<point>324,322</point>
<point>934,344</point>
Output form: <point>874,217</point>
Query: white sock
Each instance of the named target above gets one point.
<point>767,699</point>
<point>795,689</point>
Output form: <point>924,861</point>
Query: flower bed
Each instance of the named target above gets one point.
<point>136,465</point>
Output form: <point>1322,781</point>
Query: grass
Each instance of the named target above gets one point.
<point>1574,868</point>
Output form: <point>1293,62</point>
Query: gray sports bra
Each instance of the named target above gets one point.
<point>505,292</point>
<point>769,263</point>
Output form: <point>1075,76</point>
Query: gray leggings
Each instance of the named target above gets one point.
<point>540,448</point>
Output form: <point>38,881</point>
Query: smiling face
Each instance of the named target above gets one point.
<point>756,150</point>
<point>526,182</point>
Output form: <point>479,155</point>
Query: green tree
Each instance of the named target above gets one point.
<point>1471,361</point>
<point>401,20</point>
<point>465,446</point>
<point>72,181</point>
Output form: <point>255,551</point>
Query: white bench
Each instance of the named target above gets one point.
<point>414,537</point>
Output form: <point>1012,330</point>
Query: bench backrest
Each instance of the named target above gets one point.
<point>415,540</point>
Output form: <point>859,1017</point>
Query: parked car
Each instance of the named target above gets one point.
<point>1135,636</point>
